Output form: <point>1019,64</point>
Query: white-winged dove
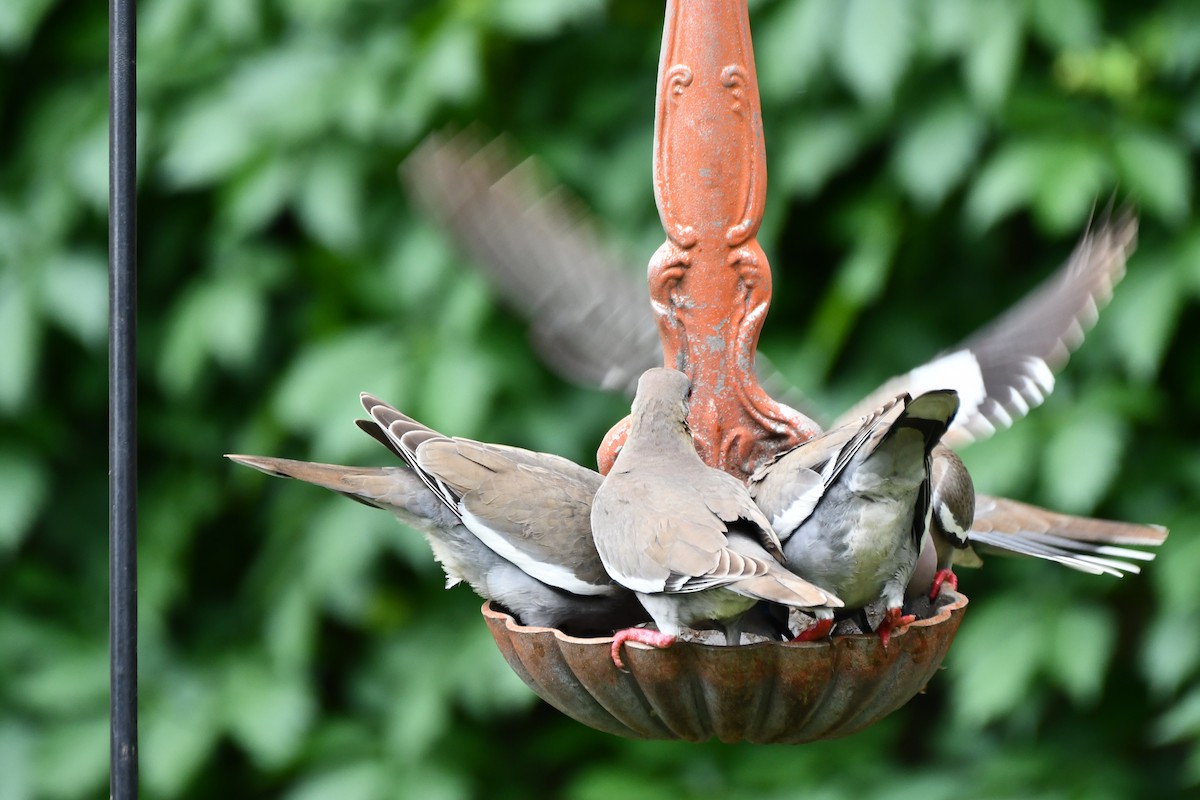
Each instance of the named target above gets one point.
<point>853,506</point>
<point>512,523</point>
<point>687,538</point>
<point>1007,527</point>
<point>590,321</point>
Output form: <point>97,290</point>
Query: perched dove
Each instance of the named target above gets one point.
<point>685,537</point>
<point>1008,527</point>
<point>591,321</point>
<point>513,524</point>
<point>852,506</point>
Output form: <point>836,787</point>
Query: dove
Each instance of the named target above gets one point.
<point>686,538</point>
<point>1008,527</point>
<point>965,523</point>
<point>852,506</point>
<point>512,523</point>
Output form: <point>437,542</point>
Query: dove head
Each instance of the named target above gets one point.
<point>660,407</point>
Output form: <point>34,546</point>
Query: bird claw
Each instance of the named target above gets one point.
<point>943,577</point>
<point>643,635</point>
<point>818,630</point>
<point>893,620</point>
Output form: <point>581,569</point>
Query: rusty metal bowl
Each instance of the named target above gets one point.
<point>766,693</point>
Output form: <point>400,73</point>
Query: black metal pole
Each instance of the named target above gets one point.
<point>122,397</point>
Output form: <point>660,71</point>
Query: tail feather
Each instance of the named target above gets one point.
<point>379,487</point>
<point>1076,555</point>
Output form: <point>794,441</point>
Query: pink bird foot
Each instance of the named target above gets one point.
<point>893,620</point>
<point>943,577</point>
<point>819,630</point>
<point>643,635</point>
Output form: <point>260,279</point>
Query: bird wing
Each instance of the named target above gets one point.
<point>590,317</point>
<point>524,506</point>
<point>789,487</point>
<point>390,426</point>
<point>1007,367</point>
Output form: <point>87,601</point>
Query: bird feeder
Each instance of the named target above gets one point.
<point>710,286</point>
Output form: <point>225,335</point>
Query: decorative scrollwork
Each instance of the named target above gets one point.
<point>733,78</point>
<point>678,78</point>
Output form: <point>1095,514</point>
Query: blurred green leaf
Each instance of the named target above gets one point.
<point>1158,172</point>
<point>71,759</point>
<point>947,25</point>
<point>74,293</point>
<point>89,165</point>
<point>260,194</point>
<point>791,49</point>
<point>1000,464</point>
<point>24,488</point>
<point>318,393</point>
<point>179,728</point>
<point>458,390</point>
<point>1082,459</point>
<point>417,267</point>
<point>365,781</point>
<point>21,333</point>
<point>994,660</point>
<point>859,280</point>
<point>1176,31</point>
<point>1007,181</point>
<point>991,58</point>
<point>1073,175</point>
<point>18,19</point>
<point>330,201</point>
<point>71,682</point>
<point>1066,23</point>
<point>1083,641</point>
<point>1113,70</point>
<point>1182,720</point>
<point>817,148</point>
<point>221,320</point>
<point>16,756</point>
<point>269,712</point>
<point>875,47</point>
<point>339,548</point>
<point>1144,316</point>
<point>1170,655</point>
<point>1174,573</point>
<point>541,17</point>
<point>291,628</point>
<point>935,152</point>
<point>206,145</point>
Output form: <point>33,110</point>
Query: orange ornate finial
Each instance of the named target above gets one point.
<point>710,283</point>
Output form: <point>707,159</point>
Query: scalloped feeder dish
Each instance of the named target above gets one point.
<point>764,693</point>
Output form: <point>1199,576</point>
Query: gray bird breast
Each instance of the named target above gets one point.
<point>859,540</point>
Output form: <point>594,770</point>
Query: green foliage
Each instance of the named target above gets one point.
<point>930,161</point>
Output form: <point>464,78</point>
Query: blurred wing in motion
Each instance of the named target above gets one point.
<point>1007,367</point>
<point>590,317</point>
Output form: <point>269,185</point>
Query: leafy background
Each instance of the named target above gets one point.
<point>930,161</point>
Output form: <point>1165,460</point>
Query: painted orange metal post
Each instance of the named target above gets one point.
<point>710,283</point>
